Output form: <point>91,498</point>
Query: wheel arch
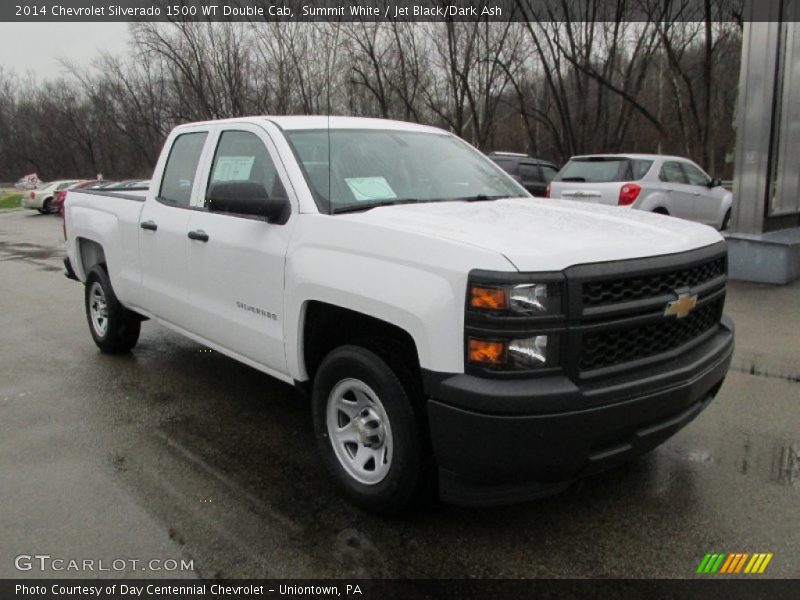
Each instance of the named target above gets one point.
<point>90,253</point>
<point>326,326</point>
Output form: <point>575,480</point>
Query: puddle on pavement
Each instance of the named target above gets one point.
<point>24,250</point>
<point>775,461</point>
<point>31,253</point>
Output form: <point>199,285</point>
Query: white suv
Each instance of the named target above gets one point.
<point>668,185</point>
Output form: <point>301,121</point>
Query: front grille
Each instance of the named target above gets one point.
<point>600,293</point>
<point>607,348</point>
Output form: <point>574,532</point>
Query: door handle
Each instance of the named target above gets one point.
<point>149,225</point>
<point>199,235</point>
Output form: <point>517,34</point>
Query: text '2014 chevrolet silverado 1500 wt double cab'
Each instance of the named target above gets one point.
<point>455,333</point>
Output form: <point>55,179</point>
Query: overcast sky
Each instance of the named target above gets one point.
<point>38,46</point>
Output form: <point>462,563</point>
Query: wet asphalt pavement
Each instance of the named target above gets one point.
<point>176,452</point>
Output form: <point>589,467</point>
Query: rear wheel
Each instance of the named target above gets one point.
<point>661,211</point>
<point>114,328</point>
<point>47,206</point>
<point>367,431</point>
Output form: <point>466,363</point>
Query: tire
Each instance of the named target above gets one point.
<point>377,457</point>
<point>114,328</point>
<point>46,206</point>
<point>661,211</point>
<point>726,221</point>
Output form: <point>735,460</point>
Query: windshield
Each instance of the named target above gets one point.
<point>374,167</point>
<point>598,169</point>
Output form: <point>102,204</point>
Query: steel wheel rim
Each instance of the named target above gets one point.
<point>98,309</point>
<point>359,431</point>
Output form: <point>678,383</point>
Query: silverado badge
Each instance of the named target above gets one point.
<point>682,306</point>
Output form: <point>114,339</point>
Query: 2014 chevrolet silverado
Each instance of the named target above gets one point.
<point>452,330</point>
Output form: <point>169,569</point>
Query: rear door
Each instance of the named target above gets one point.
<point>236,262</point>
<point>163,223</point>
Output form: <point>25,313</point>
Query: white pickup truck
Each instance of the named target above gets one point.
<point>455,333</point>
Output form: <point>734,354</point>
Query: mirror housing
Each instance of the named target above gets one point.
<point>714,183</point>
<point>246,198</point>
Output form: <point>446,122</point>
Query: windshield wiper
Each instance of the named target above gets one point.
<point>370,205</point>
<point>481,198</point>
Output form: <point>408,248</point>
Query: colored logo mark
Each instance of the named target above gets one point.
<point>736,562</point>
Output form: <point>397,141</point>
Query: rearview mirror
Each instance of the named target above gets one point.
<point>714,183</point>
<point>246,198</point>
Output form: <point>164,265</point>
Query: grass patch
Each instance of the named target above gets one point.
<point>10,201</point>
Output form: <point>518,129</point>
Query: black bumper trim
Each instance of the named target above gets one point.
<point>490,458</point>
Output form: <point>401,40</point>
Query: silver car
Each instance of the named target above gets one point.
<point>669,185</point>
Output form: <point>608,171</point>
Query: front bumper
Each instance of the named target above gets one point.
<point>502,441</point>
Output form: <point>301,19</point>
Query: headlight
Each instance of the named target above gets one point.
<point>523,354</point>
<point>528,299</point>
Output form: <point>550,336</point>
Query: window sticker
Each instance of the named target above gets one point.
<point>233,168</point>
<point>370,188</point>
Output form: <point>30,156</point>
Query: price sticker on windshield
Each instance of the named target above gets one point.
<point>370,188</point>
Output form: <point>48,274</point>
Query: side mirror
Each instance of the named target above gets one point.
<point>246,198</point>
<point>714,183</point>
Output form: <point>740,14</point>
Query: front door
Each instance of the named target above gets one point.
<point>677,190</point>
<point>236,262</point>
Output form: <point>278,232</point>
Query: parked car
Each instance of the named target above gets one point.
<point>453,332</point>
<point>669,185</point>
<point>88,184</point>
<point>533,173</point>
<point>41,198</point>
<point>130,184</point>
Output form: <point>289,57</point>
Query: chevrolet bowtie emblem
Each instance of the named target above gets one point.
<point>682,306</point>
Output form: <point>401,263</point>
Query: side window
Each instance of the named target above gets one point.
<point>179,174</point>
<point>529,172</point>
<point>695,175</point>
<point>640,168</point>
<point>506,165</point>
<point>548,172</point>
<point>671,172</point>
<point>242,156</point>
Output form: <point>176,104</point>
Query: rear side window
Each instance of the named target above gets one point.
<point>505,164</point>
<point>602,169</point>
<point>640,168</point>
<point>179,174</point>
<point>529,172</point>
<point>548,173</point>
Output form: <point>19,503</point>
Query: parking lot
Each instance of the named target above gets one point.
<point>177,452</point>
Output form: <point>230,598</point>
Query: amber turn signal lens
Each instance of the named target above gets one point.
<point>488,298</point>
<point>491,353</point>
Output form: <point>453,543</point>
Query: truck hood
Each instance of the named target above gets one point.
<point>544,235</point>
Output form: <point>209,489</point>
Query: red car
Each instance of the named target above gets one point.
<point>87,184</point>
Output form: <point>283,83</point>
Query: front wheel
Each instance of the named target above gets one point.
<point>367,431</point>
<point>114,328</point>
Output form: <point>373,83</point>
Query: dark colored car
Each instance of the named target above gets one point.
<point>533,173</point>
